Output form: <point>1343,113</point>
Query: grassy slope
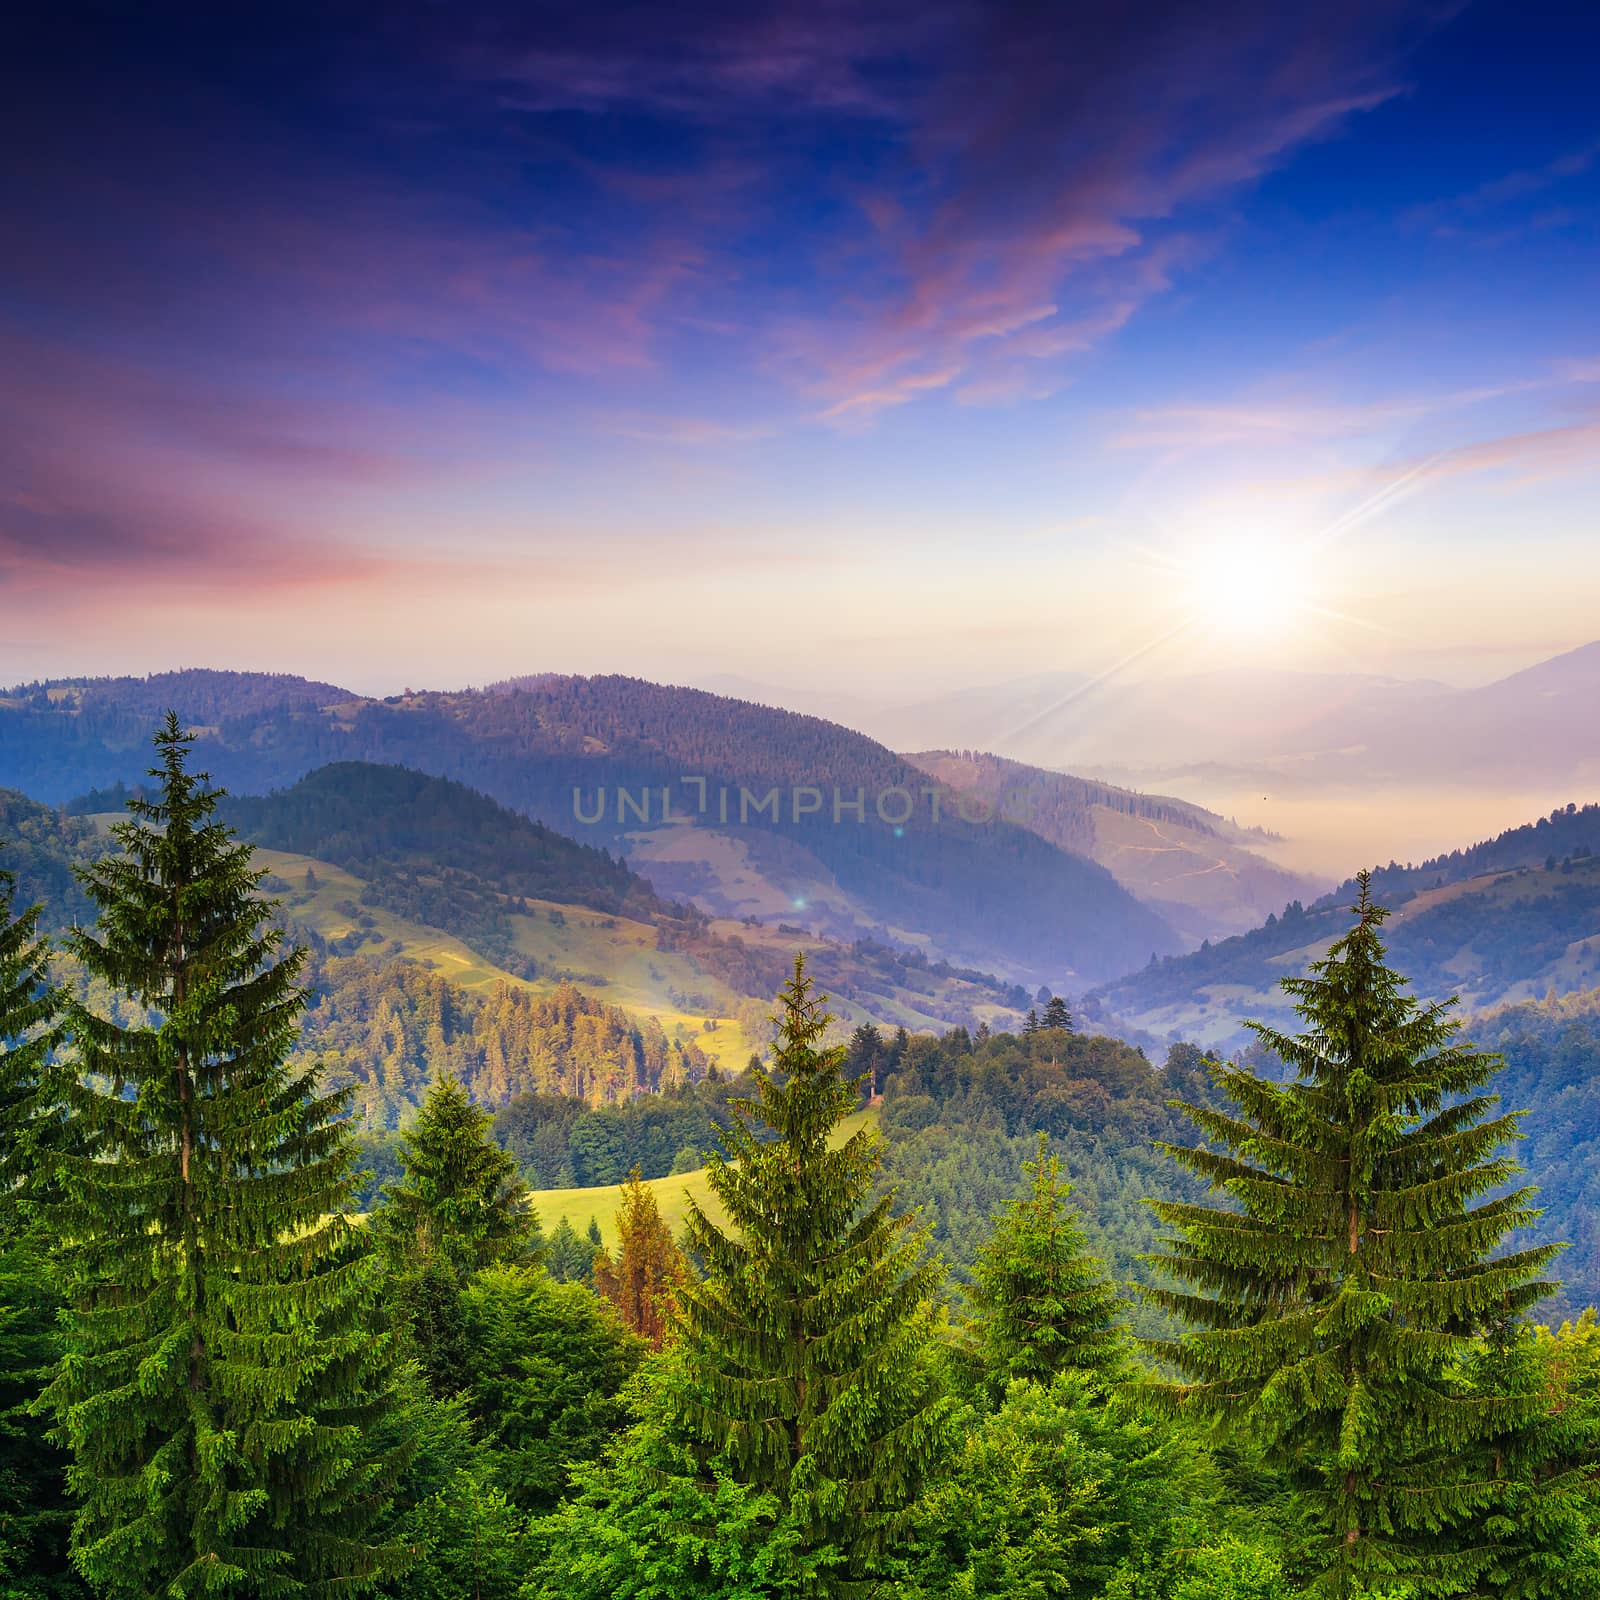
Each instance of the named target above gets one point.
<point>611,957</point>
<point>673,1195</point>
<point>624,953</point>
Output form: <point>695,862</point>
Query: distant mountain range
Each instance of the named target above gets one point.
<point>1189,864</point>
<point>1506,921</point>
<point>1305,727</point>
<point>745,810</point>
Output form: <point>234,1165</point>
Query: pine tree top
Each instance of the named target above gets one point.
<point>1046,1305</point>
<point>461,1199</point>
<point>30,1005</point>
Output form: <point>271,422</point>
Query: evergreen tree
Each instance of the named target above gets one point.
<point>1056,1015</point>
<point>1045,1304</point>
<point>806,1347</point>
<point>644,1281</point>
<point>1334,1299</point>
<point>1543,1522</point>
<point>898,1045</point>
<point>459,1207</point>
<point>460,1201</point>
<point>29,1011</point>
<point>34,1512</point>
<point>569,1258</point>
<point>219,1361</point>
<point>866,1055</point>
<point>592,1234</point>
<point>1030,1023</point>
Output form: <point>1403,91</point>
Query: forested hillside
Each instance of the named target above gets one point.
<point>390,1031</point>
<point>1194,867</point>
<point>960,1115</point>
<point>39,846</point>
<point>985,894</point>
<point>530,916</point>
<point>1502,921</point>
<point>1552,1054</point>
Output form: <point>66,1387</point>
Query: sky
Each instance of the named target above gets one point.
<point>888,347</point>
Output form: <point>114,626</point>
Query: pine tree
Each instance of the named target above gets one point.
<point>29,1010</point>
<point>460,1201</point>
<point>34,1514</point>
<point>1056,1015</point>
<point>219,1361</point>
<point>1543,1522</point>
<point>568,1257</point>
<point>1030,1023</point>
<point>1045,1304</point>
<point>1335,1298</point>
<point>806,1345</point>
<point>644,1281</point>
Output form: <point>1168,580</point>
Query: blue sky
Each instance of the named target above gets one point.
<point>863,344</point>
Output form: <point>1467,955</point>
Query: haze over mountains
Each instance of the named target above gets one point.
<point>767,818</point>
<point>1303,727</point>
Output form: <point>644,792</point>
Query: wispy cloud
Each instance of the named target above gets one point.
<point>1453,215</point>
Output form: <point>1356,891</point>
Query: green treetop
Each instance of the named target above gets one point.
<point>1056,1014</point>
<point>569,1258</point>
<point>461,1201</point>
<point>219,1364</point>
<point>1045,1305</point>
<point>805,1347</point>
<point>459,1207</point>
<point>1336,1294</point>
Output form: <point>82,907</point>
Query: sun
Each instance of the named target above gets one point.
<point>1248,586</point>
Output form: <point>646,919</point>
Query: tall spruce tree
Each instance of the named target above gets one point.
<point>1334,1300</point>
<point>1056,1014</point>
<point>806,1346</point>
<point>34,1512</point>
<point>219,1363</point>
<point>1045,1305</point>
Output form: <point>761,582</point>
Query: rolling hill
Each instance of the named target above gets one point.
<point>551,910</point>
<point>745,810</point>
<point>443,926</point>
<point>1189,864</point>
<point>1506,920</point>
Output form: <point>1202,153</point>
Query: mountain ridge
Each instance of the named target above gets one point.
<point>993,895</point>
